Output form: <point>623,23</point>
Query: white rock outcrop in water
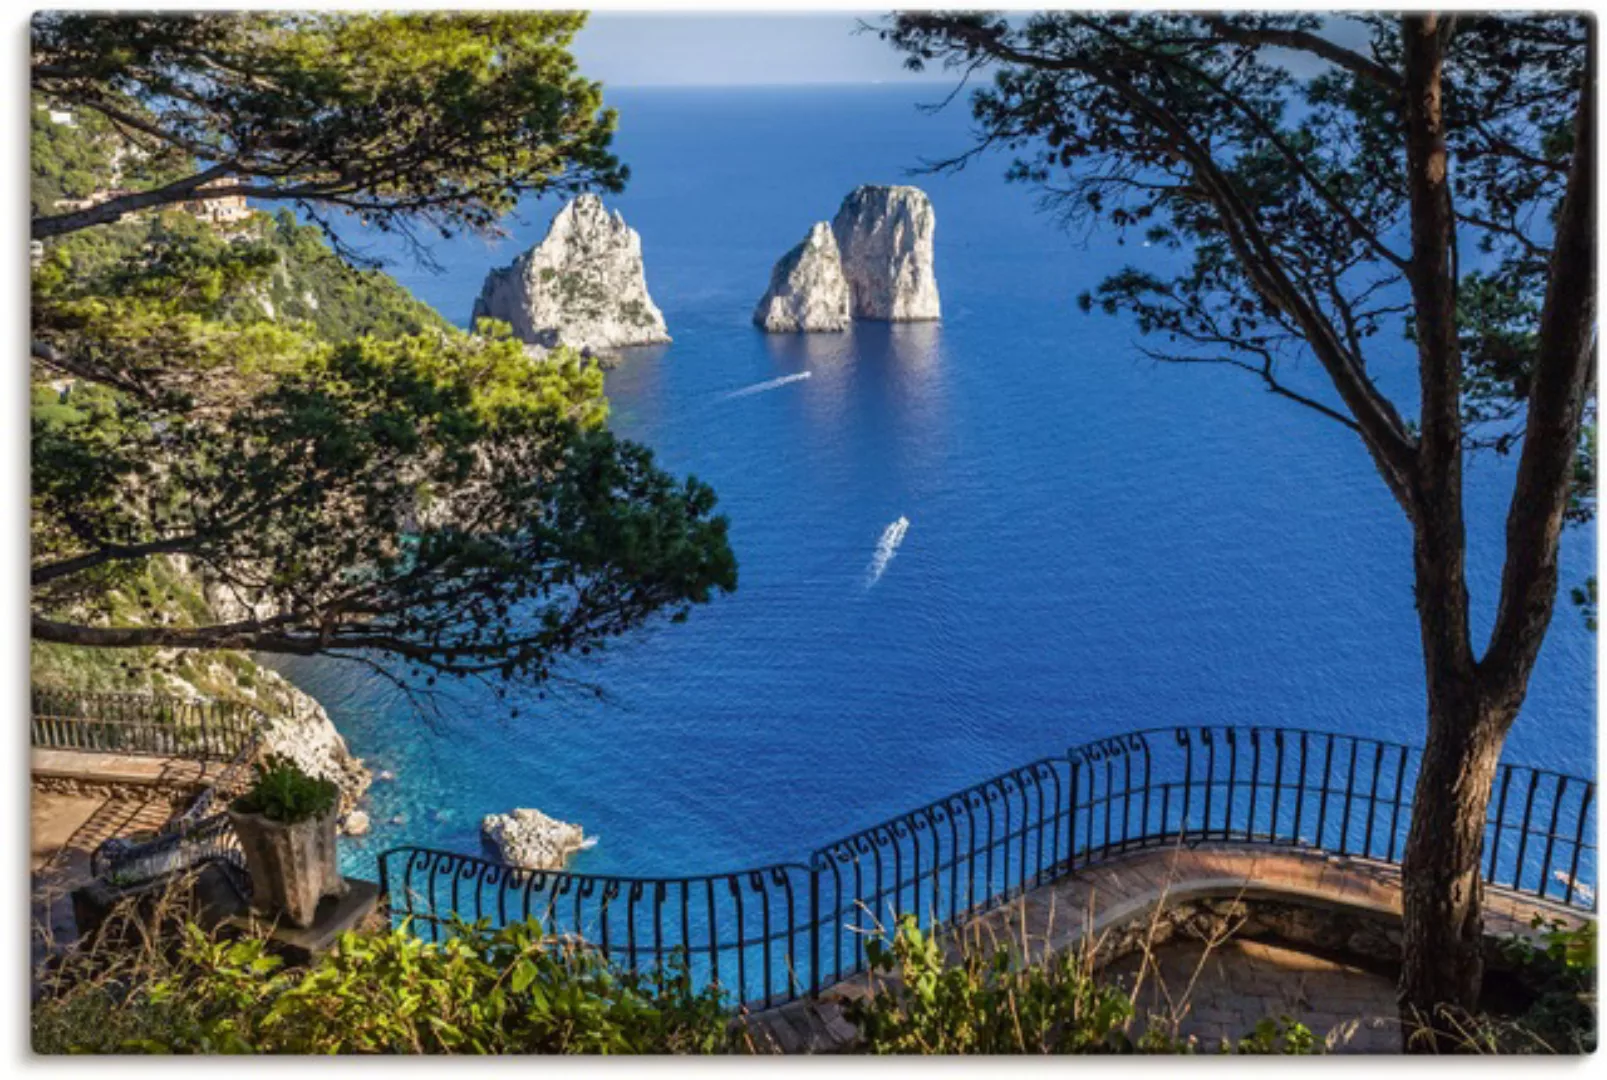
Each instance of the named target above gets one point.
<point>808,291</point>
<point>884,237</point>
<point>532,840</point>
<point>582,286</point>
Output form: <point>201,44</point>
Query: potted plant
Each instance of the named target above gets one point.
<point>286,825</point>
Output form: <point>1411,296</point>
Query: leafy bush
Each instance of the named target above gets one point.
<point>286,794</point>
<point>1003,1003</point>
<point>1560,970</point>
<point>509,991</point>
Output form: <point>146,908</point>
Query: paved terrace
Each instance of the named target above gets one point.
<point>1240,983</point>
<point>81,799</point>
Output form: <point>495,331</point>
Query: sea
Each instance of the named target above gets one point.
<point>963,545</point>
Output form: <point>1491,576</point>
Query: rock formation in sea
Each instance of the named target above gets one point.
<point>808,291</point>
<point>530,839</point>
<point>582,286</point>
<point>884,237</point>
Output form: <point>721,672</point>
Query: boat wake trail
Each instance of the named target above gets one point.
<point>886,548</point>
<point>759,388</point>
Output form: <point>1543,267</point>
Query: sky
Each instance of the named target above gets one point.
<point>690,49</point>
<point>713,49</point>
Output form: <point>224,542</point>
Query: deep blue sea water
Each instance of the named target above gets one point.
<point>1094,544</point>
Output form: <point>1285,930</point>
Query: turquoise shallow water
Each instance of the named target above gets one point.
<point>1093,544</point>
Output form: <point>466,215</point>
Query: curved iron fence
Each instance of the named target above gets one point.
<point>957,857</point>
<point>1343,794</point>
<point>778,932</point>
<point>747,930</point>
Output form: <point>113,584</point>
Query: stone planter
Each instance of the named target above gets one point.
<point>292,867</point>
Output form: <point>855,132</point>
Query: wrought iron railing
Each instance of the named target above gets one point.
<point>748,929</point>
<point>1342,794</point>
<point>954,858</point>
<point>772,934</point>
<point>146,725</point>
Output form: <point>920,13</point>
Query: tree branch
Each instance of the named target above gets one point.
<point>1382,430</point>
<point>1266,131</point>
<point>1563,374</point>
<point>1266,374</point>
<point>1305,41</point>
<point>1440,535</point>
<point>42,575</point>
<point>112,209</point>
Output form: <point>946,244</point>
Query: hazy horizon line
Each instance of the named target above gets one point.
<point>768,85</point>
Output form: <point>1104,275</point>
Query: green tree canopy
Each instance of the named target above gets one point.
<point>351,474</point>
<point>433,119</point>
<point>1438,175</point>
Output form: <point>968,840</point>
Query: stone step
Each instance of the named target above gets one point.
<point>335,916</point>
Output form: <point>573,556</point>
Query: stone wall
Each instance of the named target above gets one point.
<point>1364,937</point>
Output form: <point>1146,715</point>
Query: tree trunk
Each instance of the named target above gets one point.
<point>1442,962</point>
<point>1472,704</point>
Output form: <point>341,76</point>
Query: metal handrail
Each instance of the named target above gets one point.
<point>975,849</point>
<point>141,724</point>
<point>749,921</point>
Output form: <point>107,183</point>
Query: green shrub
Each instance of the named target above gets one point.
<point>509,991</point>
<point>1559,969</point>
<point>283,792</point>
<point>999,1002</point>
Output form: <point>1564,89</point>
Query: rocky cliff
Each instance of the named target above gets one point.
<point>302,731</point>
<point>582,286</point>
<point>884,235</point>
<point>808,291</point>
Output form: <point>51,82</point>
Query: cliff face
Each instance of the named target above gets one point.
<point>808,291</point>
<point>302,731</point>
<point>582,286</point>
<point>884,235</point>
<point>873,262</point>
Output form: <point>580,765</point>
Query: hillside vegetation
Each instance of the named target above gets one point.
<point>300,284</point>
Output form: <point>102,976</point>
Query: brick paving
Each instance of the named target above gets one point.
<point>1349,1005</point>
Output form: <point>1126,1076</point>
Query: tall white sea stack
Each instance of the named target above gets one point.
<point>582,286</point>
<point>884,237</point>
<point>808,291</point>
